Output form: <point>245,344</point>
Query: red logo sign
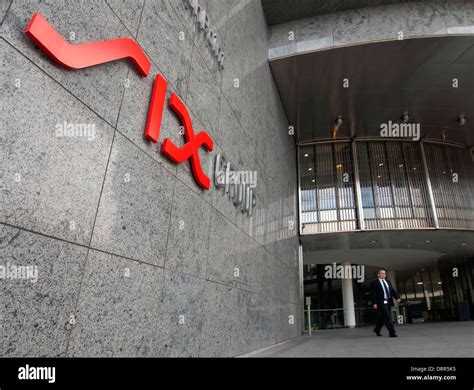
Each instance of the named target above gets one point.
<point>90,54</point>
<point>190,151</point>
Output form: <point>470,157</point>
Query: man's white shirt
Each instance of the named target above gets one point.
<point>382,282</point>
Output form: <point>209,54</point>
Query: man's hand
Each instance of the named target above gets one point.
<point>398,300</point>
<point>374,306</point>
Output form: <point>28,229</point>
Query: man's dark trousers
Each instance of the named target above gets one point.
<point>384,318</point>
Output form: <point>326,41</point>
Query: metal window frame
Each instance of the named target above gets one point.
<point>430,188</point>
<point>357,193</point>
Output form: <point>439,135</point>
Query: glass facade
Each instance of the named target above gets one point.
<point>451,174</point>
<point>327,188</point>
<point>436,294</point>
<point>349,185</point>
<point>393,189</point>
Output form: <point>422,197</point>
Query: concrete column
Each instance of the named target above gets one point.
<point>301,288</point>
<point>348,301</point>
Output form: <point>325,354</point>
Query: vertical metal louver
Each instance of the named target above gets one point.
<point>327,188</point>
<point>394,186</point>
<point>451,174</point>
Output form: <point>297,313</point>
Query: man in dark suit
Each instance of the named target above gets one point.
<point>383,293</point>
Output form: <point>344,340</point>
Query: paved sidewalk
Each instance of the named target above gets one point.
<point>444,339</point>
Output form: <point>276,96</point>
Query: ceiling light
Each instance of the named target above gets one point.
<point>428,241</point>
<point>373,241</point>
<point>463,244</point>
<point>310,169</point>
<point>420,283</point>
<point>462,120</point>
<point>440,282</point>
<point>339,166</point>
<point>306,155</point>
<point>339,120</point>
<point>381,165</point>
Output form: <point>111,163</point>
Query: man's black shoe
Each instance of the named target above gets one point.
<point>377,333</point>
<point>393,335</point>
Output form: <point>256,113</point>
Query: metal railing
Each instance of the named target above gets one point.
<point>334,318</point>
<point>325,319</point>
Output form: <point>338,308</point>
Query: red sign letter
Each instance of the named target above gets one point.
<point>87,54</point>
<point>193,142</point>
<point>155,113</point>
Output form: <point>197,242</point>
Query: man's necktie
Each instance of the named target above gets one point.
<point>387,292</point>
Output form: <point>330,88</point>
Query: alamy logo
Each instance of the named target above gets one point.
<point>239,185</point>
<point>400,130</point>
<point>37,373</point>
<point>75,130</point>
<point>19,272</point>
<point>345,271</point>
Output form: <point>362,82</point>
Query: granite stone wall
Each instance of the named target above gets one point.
<point>133,258</point>
<point>381,23</point>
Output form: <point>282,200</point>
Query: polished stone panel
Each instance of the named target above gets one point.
<point>221,324</point>
<point>424,20</point>
<point>232,86</point>
<point>129,12</point>
<point>228,246</point>
<point>351,27</point>
<point>181,321</point>
<point>188,237</point>
<point>231,135</point>
<point>135,206</point>
<point>315,34</point>
<point>168,44</point>
<point>262,272</point>
<point>218,12</point>
<point>262,320</point>
<point>36,315</point>
<point>203,95</point>
<point>202,46</point>
<point>458,17</point>
<point>222,202</point>
<point>206,157</point>
<point>277,11</point>
<point>285,317</point>
<point>134,114</point>
<point>118,309</point>
<point>372,24</point>
<point>282,40</point>
<point>100,87</point>
<point>388,22</point>
<point>52,178</point>
<point>4,8</point>
<point>236,26</point>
